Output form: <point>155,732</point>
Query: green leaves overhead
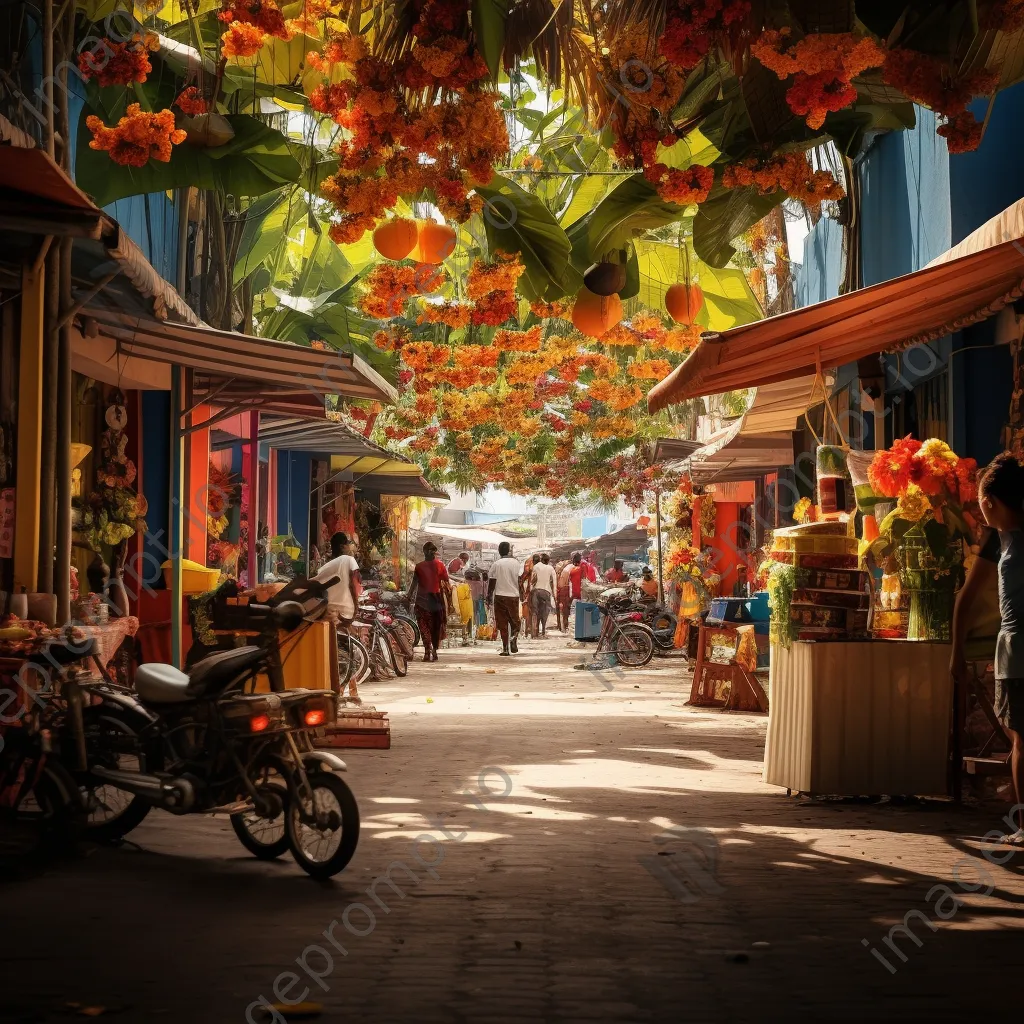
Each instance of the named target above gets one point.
<point>726,216</point>
<point>256,161</point>
<point>729,302</point>
<point>489,28</point>
<point>517,221</point>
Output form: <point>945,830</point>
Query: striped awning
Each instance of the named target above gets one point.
<point>402,487</point>
<point>240,366</point>
<point>732,454</point>
<point>670,449</point>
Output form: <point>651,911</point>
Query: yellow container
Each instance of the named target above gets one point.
<point>195,578</point>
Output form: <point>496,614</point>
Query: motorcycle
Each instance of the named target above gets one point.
<point>203,742</point>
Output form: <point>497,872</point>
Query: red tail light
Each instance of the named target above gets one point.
<point>315,717</point>
<point>636,617</point>
<point>386,620</point>
<point>258,723</point>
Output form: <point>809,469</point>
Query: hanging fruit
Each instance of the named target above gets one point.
<point>436,242</point>
<point>208,131</point>
<point>606,278</point>
<point>595,315</point>
<point>684,302</point>
<point>395,239</point>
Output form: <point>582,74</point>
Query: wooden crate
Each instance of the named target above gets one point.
<point>353,729</point>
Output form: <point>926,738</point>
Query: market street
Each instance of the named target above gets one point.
<point>569,892</point>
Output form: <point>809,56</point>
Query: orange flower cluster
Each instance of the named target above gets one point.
<point>421,355</point>
<point>438,463</point>
<point>1004,16</point>
<point>396,144</point>
<point>389,286</point>
<point>930,466</point>
<point>790,172</point>
<point>649,369</point>
<point>685,187</point>
<point>137,137</point>
<point>624,396</point>
<point>499,276</point>
<point>476,356</point>
<point>391,339</point>
<point>242,40</point>
<point>613,426</point>
<point>601,365</point>
<point>451,314</point>
<point>525,369</point>
<point>552,310</point>
<point>934,84</point>
<point>190,102</point>
<point>519,341</point>
<point>822,66</point>
<point>692,28</point>
<point>113,63</point>
<point>264,15</point>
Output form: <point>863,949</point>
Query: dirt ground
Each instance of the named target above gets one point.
<point>563,845</point>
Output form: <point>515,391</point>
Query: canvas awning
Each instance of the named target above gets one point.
<point>392,486</point>
<point>38,198</point>
<point>671,449</point>
<point>476,536</point>
<point>732,455</point>
<point>349,451</point>
<point>970,282</point>
<point>234,368</point>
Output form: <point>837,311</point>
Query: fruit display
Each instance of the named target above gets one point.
<point>21,637</point>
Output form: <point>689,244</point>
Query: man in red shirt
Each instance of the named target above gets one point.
<point>615,574</point>
<point>456,565</point>
<point>579,572</point>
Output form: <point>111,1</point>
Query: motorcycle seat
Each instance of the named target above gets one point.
<point>216,671</point>
<point>161,684</point>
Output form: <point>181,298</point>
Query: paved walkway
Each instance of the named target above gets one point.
<point>585,848</point>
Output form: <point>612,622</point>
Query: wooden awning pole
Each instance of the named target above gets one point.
<point>177,519</point>
<point>657,526</point>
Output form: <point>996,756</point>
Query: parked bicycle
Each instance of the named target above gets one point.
<point>623,635</point>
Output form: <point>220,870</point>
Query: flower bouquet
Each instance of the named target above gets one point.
<point>936,513</point>
<point>687,566</point>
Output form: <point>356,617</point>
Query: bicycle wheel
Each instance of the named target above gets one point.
<point>380,657</point>
<point>411,622</point>
<point>399,661</point>
<point>353,660</point>
<point>403,632</point>
<point>632,645</point>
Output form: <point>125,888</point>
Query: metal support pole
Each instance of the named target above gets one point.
<point>657,526</point>
<point>176,521</point>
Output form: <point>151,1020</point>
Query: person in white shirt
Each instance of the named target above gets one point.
<point>343,596</point>
<point>503,593</point>
<point>543,585</point>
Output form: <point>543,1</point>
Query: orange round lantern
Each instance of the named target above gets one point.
<point>683,302</point>
<point>870,528</point>
<point>595,315</point>
<point>436,242</point>
<point>395,239</point>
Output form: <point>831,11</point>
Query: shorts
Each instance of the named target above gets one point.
<point>1009,703</point>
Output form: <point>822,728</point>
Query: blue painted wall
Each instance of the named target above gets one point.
<point>905,208</point>
<point>987,181</point>
<point>822,271</point>
<point>293,477</point>
<point>156,471</point>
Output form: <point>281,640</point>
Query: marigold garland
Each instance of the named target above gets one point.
<point>137,137</point>
<point>790,172</point>
<point>190,102</point>
<point>114,63</point>
<point>822,66</point>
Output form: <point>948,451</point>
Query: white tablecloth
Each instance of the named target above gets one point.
<point>854,719</point>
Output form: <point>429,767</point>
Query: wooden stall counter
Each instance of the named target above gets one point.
<point>860,718</point>
<point>309,658</point>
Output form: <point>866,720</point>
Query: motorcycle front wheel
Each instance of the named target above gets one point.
<point>322,849</point>
<point>264,838</point>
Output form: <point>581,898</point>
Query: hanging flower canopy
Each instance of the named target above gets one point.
<point>522,212</point>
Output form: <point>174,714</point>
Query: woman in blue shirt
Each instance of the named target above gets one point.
<point>1001,492</point>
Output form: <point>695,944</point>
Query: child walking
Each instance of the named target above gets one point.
<point>1001,492</point>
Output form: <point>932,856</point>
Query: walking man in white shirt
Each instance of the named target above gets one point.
<point>542,591</point>
<point>503,593</point>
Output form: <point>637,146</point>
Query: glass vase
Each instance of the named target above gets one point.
<point>931,614</point>
<point>932,584</point>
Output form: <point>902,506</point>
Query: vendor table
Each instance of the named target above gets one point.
<point>860,718</point>
<point>108,638</point>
